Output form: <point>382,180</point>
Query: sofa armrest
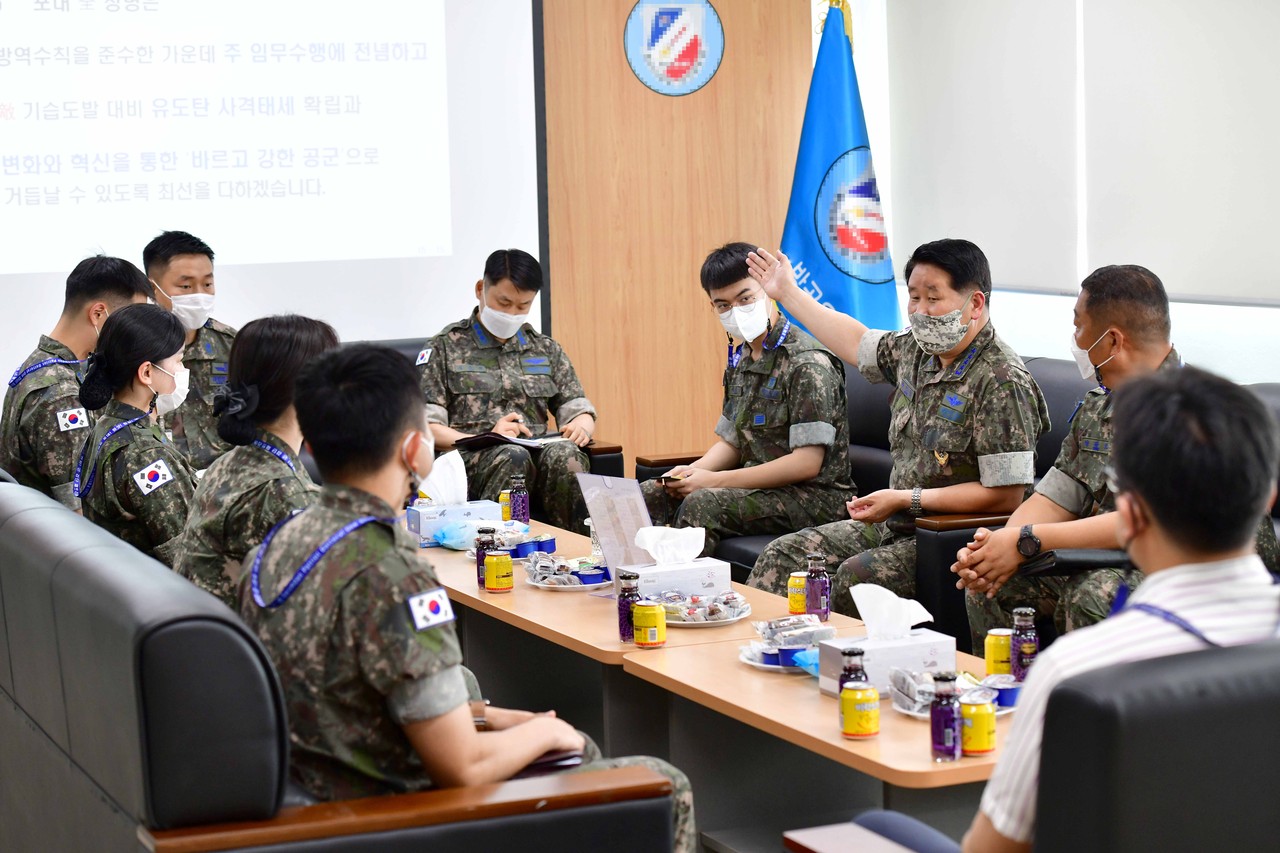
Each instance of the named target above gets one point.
<point>942,523</point>
<point>669,460</point>
<point>600,447</point>
<point>1074,561</point>
<point>428,808</point>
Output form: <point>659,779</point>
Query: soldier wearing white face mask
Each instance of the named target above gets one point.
<point>181,267</point>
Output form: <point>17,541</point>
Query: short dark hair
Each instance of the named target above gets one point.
<point>1129,297</point>
<point>131,336</point>
<point>960,259</point>
<point>725,266</point>
<point>518,266</point>
<point>353,404</point>
<point>113,280</point>
<point>264,363</point>
<point>170,244</point>
<point>1200,451</point>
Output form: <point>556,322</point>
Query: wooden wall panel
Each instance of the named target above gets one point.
<point>641,186</point>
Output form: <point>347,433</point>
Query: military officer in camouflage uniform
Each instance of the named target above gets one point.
<point>493,373</point>
<point>782,461</point>
<point>965,416</point>
<point>130,478</point>
<point>43,424</point>
<point>181,266</point>
<point>365,645</point>
<point>262,480</point>
<point>1122,321</point>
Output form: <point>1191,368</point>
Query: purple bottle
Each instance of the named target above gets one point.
<point>817,590</point>
<point>852,670</point>
<point>944,718</point>
<point>627,596</point>
<point>1025,644</point>
<point>519,500</point>
<point>485,543</point>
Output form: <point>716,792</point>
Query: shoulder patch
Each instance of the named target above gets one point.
<point>430,608</point>
<point>153,476</point>
<point>424,356</point>
<point>72,419</point>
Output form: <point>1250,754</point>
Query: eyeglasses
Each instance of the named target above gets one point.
<point>744,301</point>
<point>1111,479</point>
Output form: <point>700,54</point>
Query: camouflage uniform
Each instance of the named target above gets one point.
<point>142,486</point>
<point>43,423</point>
<point>237,501</point>
<point>353,666</point>
<point>1078,484</point>
<point>792,396</point>
<point>976,420</point>
<point>471,380</point>
<point>194,428</point>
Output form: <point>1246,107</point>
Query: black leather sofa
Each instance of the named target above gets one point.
<point>138,712</point>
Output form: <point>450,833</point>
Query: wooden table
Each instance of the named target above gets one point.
<point>723,711</point>
<point>534,648</point>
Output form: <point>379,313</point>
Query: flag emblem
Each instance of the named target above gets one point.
<point>674,48</point>
<point>72,419</point>
<point>431,608</point>
<point>153,476</point>
<point>424,356</point>
<point>849,218</point>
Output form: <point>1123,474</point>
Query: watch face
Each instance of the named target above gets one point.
<point>1027,545</point>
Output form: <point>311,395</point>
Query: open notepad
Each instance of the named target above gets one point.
<point>489,439</point>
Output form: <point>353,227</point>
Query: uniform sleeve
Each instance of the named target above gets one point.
<point>418,670</point>
<point>878,356</point>
<point>434,380</point>
<point>57,428</point>
<point>569,400</point>
<point>1011,419</point>
<point>1060,484</point>
<point>163,503</point>
<point>816,403</point>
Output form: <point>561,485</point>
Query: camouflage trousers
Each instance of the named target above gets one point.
<point>1071,602</point>
<point>743,512</point>
<point>548,473</point>
<point>855,553</point>
<point>686,833</point>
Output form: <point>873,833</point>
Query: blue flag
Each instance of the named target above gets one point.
<point>835,232</point>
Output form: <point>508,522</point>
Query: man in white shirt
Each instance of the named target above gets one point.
<point>1193,466</point>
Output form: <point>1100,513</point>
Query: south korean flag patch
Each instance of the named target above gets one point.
<point>72,419</point>
<point>153,476</point>
<point>424,356</point>
<point>430,609</point>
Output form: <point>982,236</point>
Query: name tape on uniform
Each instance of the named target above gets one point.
<point>153,476</point>
<point>72,419</point>
<point>430,609</point>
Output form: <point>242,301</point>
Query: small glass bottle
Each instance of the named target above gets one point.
<point>628,595</point>
<point>1026,642</point>
<point>852,670</point>
<point>485,543</point>
<point>519,500</point>
<point>944,718</point>
<point>817,590</point>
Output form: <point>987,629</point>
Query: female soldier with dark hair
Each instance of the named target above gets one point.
<point>245,492</point>
<point>130,478</point>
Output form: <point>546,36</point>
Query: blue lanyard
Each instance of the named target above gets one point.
<point>1174,619</point>
<point>310,563</point>
<point>93,473</point>
<point>276,452</point>
<point>20,374</point>
<point>735,355</point>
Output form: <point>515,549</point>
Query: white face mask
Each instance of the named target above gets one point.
<point>192,309</point>
<point>166,403</point>
<point>746,323</point>
<point>1088,370</point>
<point>502,325</point>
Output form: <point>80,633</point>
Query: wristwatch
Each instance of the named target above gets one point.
<point>1028,542</point>
<point>916,510</point>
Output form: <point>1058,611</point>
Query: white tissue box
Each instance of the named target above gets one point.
<point>921,650</point>
<point>424,521</point>
<point>701,576</point>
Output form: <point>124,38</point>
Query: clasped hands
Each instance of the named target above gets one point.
<point>578,430</point>
<point>988,562</point>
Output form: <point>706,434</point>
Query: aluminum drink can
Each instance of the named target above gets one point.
<point>499,575</point>
<point>504,503</point>
<point>649,621</point>
<point>998,648</point>
<point>978,722</point>
<point>797,593</point>
<point>859,710</point>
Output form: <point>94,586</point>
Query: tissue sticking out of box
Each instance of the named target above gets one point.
<point>887,616</point>
<point>447,482</point>
<point>668,545</point>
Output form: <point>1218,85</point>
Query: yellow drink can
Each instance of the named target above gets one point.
<point>978,722</point>
<point>504,502</point>
<point>499,574</point>
<point>650,621</point>
<point>998,649</point>
<point>797,600</point>
<point>859,710</point>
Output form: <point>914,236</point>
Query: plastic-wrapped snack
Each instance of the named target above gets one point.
<point>911,691</point>
<point>672,596</point>
<point>731,599</point>
<point>672,609</point>
<point>562,580</point>
<point>693,614</point>
<point>717,612</point>
<point>768,630</point>
<point>807,635</point>
<point>753,652</point>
